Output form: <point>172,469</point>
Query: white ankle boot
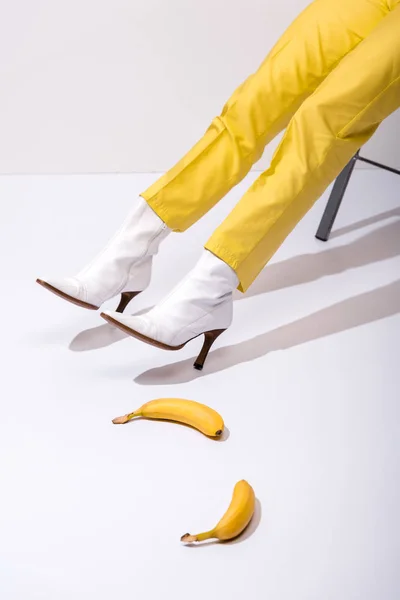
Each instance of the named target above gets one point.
<point>200,304</point>
<point>123,267</point>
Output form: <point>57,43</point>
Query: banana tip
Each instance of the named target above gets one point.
<point>187,538</point>
<point>120,420</point>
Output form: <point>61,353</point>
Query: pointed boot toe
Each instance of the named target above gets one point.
<point>67,288</point>
<point>140,327</point>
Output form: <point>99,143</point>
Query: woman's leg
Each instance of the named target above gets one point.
<point>322,137</point>
<point>261,107</point>
<point>324,134</point>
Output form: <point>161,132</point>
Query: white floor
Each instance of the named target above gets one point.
<point>307,380</point>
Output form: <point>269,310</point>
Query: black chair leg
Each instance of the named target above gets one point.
<point>335,200</point>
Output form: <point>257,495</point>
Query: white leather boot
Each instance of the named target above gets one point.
<point>123,267</point>
<point>200,304</point>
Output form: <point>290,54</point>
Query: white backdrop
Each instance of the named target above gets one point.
<point>129,85</point>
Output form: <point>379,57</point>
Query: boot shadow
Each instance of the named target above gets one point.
<point>99,337</point>
<point>350,313</point>
<point>375,246</point>
<point>95,338</point>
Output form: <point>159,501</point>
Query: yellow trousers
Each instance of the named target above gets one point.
<point>330,81</point>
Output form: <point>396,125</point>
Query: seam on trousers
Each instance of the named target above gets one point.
<point>161,207</point>
<point>254,74</point>
<point>225,251</point>
<point>294,198</point>
<point>339,135</point>
<point>196,157</point>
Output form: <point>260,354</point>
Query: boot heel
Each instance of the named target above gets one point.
<point>209,339</point>
<point>126,297</point>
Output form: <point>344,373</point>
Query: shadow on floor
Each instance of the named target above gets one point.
<point>96,337</point>
<point>375,246</point>
<point>389,214</point>
<point>99,337</point>
<point>362,309</point>
<point>381,244</point>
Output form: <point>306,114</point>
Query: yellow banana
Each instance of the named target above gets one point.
<point>197,415</point>
<point>236,518</point>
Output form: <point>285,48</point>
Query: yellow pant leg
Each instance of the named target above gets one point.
<point>324,134</point>
<point>262,106</point>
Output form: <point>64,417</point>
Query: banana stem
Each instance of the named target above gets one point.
<point>200,537</point>
<point>126,418</point>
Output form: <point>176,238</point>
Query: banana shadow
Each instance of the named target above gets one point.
<point>245,535</point>
<point>353,312</point>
